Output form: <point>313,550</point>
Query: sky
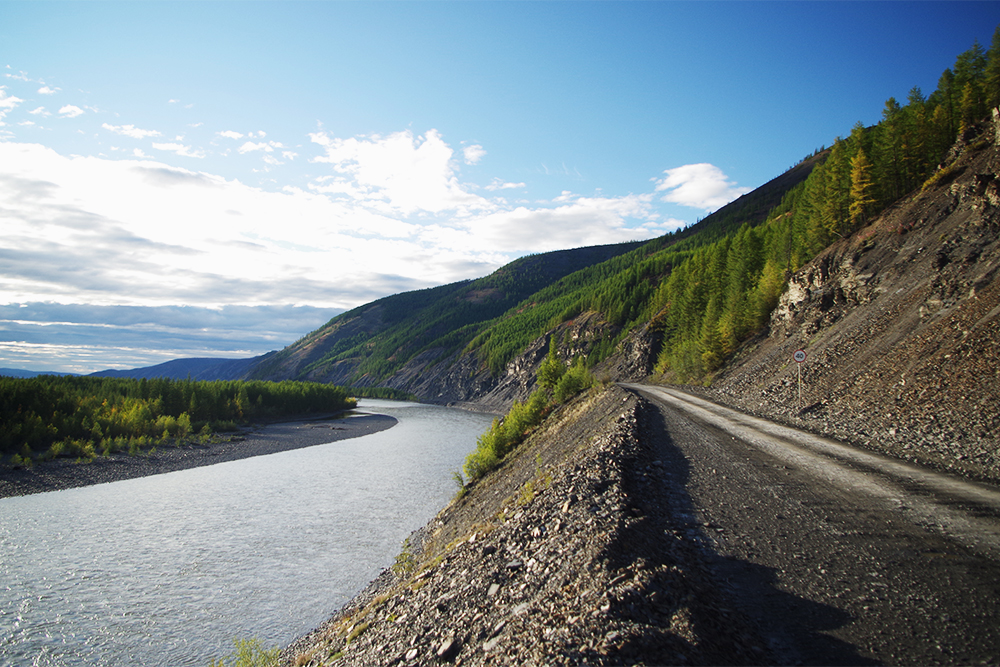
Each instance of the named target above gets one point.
<point>195,179</point>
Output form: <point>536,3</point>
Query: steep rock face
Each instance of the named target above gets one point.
<point>901,324</point>
<point>635,357</point>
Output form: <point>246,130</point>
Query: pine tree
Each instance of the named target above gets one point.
<point>991,82</point>
<point>861,189</point>
<point>889,150</point>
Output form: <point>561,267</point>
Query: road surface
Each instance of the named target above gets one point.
<point>839,556</point>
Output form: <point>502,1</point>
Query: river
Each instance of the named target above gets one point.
<point>169,569</point>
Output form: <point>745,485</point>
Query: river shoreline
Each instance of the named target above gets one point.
<point>255,440</point>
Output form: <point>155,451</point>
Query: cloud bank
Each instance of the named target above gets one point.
<point>91,241</point>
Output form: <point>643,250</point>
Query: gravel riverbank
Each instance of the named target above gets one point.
<point>256,440</point>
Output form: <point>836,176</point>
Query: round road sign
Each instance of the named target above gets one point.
<point>799,356</point>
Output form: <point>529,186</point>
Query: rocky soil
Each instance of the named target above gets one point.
<point>569,554</point>
<point>901,324</point>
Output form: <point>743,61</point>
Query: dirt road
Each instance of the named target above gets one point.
<point>840,556</point>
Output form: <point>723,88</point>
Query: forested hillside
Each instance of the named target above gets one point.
<point>695,296</point>
<point>373,341</point>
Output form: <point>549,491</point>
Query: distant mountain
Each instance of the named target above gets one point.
<point>21,373</point>
<point>194,368</point>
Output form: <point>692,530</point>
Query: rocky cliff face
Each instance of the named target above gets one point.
<point>901,324</point>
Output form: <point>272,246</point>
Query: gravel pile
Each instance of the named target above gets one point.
<point>567,555</point>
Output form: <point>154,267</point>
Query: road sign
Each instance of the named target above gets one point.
<point>799,356</point>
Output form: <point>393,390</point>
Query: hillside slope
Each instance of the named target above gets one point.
<point>196,368</point>
<point>482,340</point>
<point>901,324</point>
<point>367,345</point>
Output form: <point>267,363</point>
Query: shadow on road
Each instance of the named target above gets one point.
<point>738,615</point>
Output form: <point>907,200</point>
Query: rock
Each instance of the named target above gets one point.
<point>448,649</point>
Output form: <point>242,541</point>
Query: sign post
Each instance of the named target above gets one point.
<point>799,356</point>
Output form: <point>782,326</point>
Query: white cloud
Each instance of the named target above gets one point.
<point>230,134</point>
<point>500,184</point>
<point>702,185</point>
<point>7,103</point>
<point>45,90</point>
<point>266,146</point>
<point>40,110</point>
<point>91,230</point>
<point>71,111</point>
<point>138,153</point>
<point>179,149</point>
<point>473,154</point>
<point>398,173</point>
<point>130,131</point>
<point>577,221</point>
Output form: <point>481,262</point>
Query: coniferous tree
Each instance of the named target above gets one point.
<point>889,150</point>
<point>861,189</point>
<point>991,82</point>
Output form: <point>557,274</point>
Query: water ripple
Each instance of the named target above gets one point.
<point>167,570</point>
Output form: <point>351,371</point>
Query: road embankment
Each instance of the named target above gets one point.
<point>570,553</point>
<point>254,441</point>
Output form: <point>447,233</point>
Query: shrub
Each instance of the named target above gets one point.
<point>249,653</point>
<point>576,379</point>
<point>503,436</point>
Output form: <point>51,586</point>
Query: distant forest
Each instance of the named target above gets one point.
<point>49,416</point>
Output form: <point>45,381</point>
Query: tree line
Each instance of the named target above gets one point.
<point>51,416</point>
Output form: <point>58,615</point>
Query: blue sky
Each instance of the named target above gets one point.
<point>219,179</point>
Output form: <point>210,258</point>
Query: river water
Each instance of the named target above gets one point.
<point>169,569</point>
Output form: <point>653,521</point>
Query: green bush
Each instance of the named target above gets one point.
<point>503,436</point>
<point>575,380</point>
<point>249,653</point>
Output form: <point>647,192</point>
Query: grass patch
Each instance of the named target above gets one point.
<point>249,653</point>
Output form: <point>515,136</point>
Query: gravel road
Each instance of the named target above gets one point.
<point>840,556</point>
